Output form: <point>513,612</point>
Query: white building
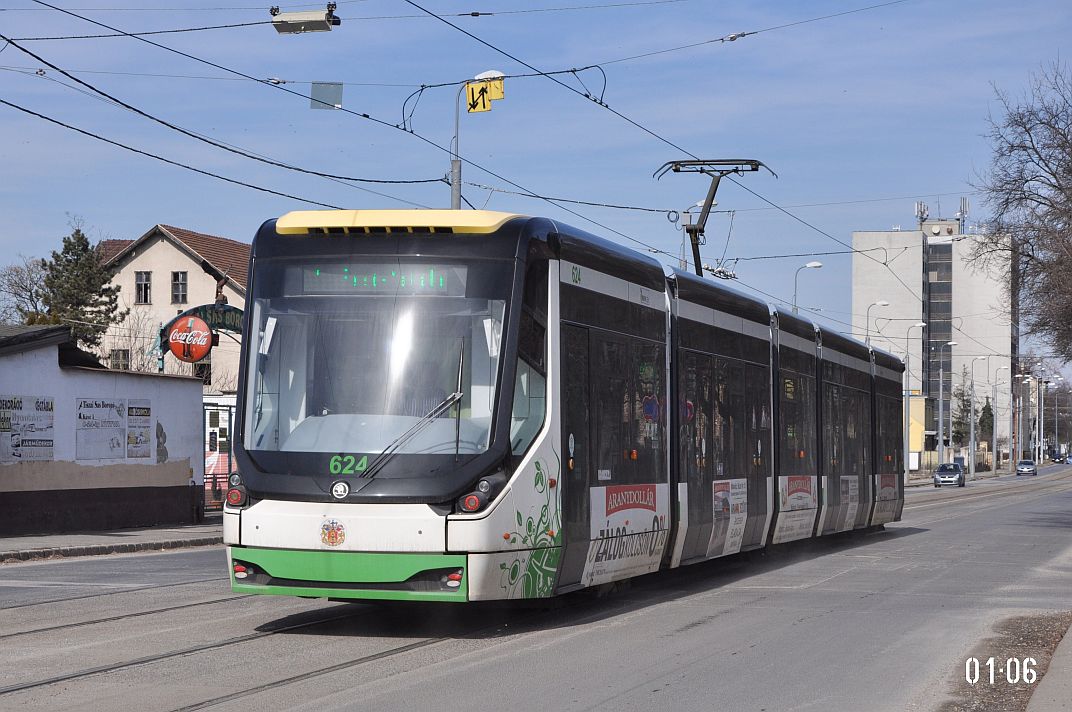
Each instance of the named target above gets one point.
<point>926,275</point>
<point>163,273</point>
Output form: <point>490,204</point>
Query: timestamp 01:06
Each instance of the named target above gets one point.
<point>1014,670</point>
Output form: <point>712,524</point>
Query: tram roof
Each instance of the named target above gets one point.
<point>888,360</point>
<point>691,288</point>
<point>303,222</point>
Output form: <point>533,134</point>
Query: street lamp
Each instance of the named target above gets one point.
<point>941,400</point>
<point>455,159</point>
<point>810,265</point>
<point>908,396</point>
<point>971,415</point>
<point>867,328</point>
<point>995,458</point>
<point>1056,443</point>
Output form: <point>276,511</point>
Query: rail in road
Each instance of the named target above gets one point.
<point>157,639</point>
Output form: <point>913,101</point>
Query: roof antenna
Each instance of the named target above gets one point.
<point>716,169</point>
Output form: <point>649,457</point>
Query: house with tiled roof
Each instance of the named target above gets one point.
<point>163,273</point>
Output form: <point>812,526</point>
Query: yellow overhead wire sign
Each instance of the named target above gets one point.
<point>480,94</point>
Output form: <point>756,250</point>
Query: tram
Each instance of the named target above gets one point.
<point>443,405</point>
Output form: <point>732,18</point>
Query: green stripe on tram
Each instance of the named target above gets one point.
<point>323,568</point>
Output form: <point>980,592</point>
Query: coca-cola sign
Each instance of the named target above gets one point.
<point>190,339</point>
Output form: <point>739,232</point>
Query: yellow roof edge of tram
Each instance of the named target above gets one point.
<point>301,222</point>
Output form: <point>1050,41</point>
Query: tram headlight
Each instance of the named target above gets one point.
<point>236,496</point>
<point>487,488</point>
<point>235,479</point>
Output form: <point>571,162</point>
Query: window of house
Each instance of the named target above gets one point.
<point>178,287</point>
<point>119,360</point>
<point>143,283</point>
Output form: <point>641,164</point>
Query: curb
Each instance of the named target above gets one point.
<point>1055,690</point>
<point>98,549</point>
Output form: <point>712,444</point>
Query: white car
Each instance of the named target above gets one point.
<point>1026,467</point>
<point>949,473</point>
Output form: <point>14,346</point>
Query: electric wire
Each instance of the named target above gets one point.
<point>357,114</point>
<point>213,142</point>
<point>653,134</point>
<point>166,160</point>
<point>139,34</point>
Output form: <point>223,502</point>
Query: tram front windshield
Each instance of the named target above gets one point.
<point>362,357</point>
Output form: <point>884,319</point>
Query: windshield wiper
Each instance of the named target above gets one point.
<point>458,389</point>
<point>398,442</point>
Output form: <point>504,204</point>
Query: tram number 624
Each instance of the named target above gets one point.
<point>347,464</point>
<point>1015,670</point>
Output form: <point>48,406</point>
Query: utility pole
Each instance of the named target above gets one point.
<point>716,169</point>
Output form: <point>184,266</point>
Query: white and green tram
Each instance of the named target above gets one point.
<point>447,405</point>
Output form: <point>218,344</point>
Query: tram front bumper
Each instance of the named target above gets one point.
<point>348,574</point>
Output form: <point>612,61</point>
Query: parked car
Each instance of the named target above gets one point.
<point>950,473</point>
<point>1026,467</point>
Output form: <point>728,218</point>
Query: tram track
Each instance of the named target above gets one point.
<point>111,593</point>
<point>312,674</point>
<point>112,619</point>
<point>149,659</point>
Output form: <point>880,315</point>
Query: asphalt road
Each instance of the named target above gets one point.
<point>881,621</point>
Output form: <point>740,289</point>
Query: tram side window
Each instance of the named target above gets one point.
<point>833,429</point>
<point>529,404</point>
<point>611,410</point>
<point>697,417</point>
<point>758,420</point>
<point>857,432</point>
<point>891,457</point>
<point>796,428</point>
<point>733,417</point>
<point>648,407</point>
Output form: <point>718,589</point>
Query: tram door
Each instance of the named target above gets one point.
<point>576,458</point>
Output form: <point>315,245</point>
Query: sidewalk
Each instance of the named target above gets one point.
<point>47,546</point>
<point>1054,691</point>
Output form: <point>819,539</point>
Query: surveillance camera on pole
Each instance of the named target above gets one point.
<point>293,23</point>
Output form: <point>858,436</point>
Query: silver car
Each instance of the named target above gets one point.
<point>949,473</point>
<point>1026,467</point>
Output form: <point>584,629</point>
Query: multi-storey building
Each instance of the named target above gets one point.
<point>928,275</point>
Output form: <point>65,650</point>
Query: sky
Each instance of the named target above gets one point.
<point>861,108</point>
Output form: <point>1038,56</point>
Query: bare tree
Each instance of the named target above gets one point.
<point>1029,191</point>
<point>132,342</point>
<point>21,297</point>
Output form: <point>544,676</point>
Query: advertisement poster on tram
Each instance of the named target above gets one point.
<point>26,424</point>
<point>100,429</point>
<point>629,527</point>
<point>886,506</point>
<point>797,501</point>
<point>850,500</point>
<point>886,486</point>
<point>730,514</point>
<point>139,422</point>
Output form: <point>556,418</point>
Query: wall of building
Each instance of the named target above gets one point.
<point>981,327</point>
<point>137,333</point>
<point>872,282</point>
<point>92,449</point>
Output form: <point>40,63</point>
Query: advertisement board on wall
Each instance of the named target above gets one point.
<point>26,428</point>
<point>100,428</point>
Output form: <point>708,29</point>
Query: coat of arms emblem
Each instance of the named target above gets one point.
<point>332,532</point>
